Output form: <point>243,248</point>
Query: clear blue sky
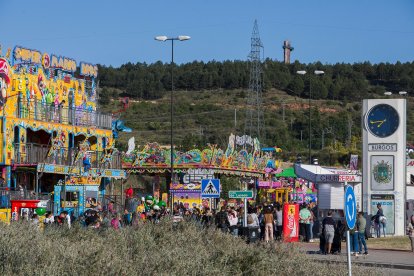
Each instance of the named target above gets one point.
<point>116,32</point>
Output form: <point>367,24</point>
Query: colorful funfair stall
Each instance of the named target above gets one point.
<point>243,158</point>
<point>284,186</point>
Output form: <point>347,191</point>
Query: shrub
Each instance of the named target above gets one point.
<point>149,250</point>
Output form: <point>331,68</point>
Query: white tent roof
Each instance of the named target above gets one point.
<point>309,172</point>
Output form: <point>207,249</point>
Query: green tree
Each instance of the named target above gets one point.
<point>296,86</point>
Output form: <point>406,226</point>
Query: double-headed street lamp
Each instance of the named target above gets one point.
<point>316,72</point>
<point>402,93</point>
<point>165,38</point>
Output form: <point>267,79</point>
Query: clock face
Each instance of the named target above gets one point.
<point>382,120</point>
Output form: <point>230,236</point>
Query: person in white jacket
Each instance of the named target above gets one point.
<point>252,218</point>
<point>233,219</point>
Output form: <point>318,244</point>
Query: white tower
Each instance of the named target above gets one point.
<point>384,159</point>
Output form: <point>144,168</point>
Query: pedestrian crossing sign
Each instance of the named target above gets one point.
<point>210,188</point>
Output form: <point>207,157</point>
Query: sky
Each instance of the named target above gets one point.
<point>116,32</point>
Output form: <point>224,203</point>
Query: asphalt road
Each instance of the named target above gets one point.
<point>396,261</point>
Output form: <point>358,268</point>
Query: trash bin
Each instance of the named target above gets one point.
<point>250,234</point>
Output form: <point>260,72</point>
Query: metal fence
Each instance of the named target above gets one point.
<point>7,194</point>
<point>36,110</point>
<point>30,153</point>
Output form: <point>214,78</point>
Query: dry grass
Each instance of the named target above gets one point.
<point>398,243</point>
<point>149,250</point>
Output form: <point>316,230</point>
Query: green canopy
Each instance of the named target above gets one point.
<point>289,172</point>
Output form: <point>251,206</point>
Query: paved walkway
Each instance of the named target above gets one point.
<point>377,258</point>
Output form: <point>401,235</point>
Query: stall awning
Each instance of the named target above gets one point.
<point>318,174</point>
<point>313,173</point>
<point>288,172</point>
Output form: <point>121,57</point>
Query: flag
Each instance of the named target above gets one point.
<point>353,163</point>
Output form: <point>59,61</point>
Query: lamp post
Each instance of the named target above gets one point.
<point>164,38</point>
<point>316,72</point>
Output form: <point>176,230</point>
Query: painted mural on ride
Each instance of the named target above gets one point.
<point>50,93</point>
<point>243,155</point>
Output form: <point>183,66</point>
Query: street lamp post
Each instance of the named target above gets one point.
<point>164,38</point>
<point>316,72</point>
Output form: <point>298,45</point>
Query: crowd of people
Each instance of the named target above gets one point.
<point>333,232</point>
<point>267,219</point>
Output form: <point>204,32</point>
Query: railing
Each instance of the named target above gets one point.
<point>34,153</point>
<point>118,206</point>
<point>70,116</point>
<point>7,194</point>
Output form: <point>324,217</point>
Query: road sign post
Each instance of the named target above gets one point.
<point>350,217</point>
<point>210,188</point>
<point>241,194</point>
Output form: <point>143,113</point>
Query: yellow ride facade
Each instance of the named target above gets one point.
<point>52,134</point>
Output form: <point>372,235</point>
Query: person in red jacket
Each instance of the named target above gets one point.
<point>129,192</point>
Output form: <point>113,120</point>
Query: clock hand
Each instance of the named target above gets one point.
<point>383,121</point>
<point>379,122</point>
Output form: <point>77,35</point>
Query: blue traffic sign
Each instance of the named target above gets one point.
<point>350,209</point>
<point>210,188</point>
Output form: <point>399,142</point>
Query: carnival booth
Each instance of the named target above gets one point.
<point>287,187</point>
<point>330,183</point>
<point>189,195</point>
<point>27,208</point>
<point>75,199</point>
<point>243,158</point>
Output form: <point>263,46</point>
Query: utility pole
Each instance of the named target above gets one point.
<point>235,119</point>
<point>323,139</point>
<point>325,131</point>
<point>350,123</point>
<point>254,122</point>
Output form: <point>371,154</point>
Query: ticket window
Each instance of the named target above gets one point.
<point>91,199</point>
<point>72,199</point>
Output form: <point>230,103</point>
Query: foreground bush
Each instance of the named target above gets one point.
<point>149,250</point>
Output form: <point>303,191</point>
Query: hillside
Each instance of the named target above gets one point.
<point>210,115</point>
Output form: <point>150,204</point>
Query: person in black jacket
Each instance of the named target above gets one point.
<point>222,221</point>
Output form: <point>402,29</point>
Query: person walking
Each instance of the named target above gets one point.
<point>380,220</point>
<point>361,226</point>
<point>311,222</point>
<point>279,221</point>
<point>268,222</point>
<point>304,222</point>
<point>328,226</point>
<point>354,241</point>
<point>410,232</point>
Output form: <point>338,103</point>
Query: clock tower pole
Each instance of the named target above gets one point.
<point>384,163</point>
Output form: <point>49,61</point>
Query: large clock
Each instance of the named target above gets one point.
<point>382,120</point>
